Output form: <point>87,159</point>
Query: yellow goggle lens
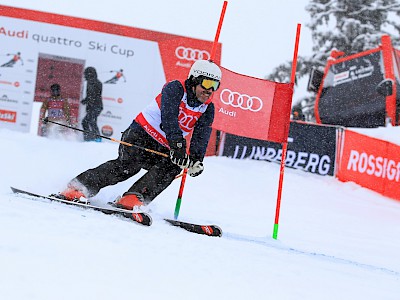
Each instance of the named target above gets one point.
<point>209,83</point>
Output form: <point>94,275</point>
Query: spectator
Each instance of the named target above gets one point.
<point>56,108</point>
<point>297,114</point>
<point>94,105</point>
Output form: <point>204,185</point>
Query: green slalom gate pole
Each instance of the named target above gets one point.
<point>179,200</point>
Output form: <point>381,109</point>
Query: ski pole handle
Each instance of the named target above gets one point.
<point>46,120</point>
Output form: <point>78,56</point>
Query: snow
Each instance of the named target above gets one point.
<point>335,241</point>
<point>389,133</point>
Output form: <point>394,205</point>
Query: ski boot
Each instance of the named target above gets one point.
<point>73,195</point>
<point>130,201</point>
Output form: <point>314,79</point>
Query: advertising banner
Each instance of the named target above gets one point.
<point>371,163</point>
<point>39,49</point>
<point>311,148</point>
<point>252,107</point>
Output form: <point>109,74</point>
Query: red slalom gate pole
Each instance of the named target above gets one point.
<point>212,56</point>
<point>221,20</point>
<point>284,145</point>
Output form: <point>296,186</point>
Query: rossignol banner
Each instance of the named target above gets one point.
<point>252,107</point>
<point>39,49</point>
<point>372,163</point>
<point>311,148</point>
<point>349,94</point>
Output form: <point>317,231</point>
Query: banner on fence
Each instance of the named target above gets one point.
<point>39,49</point>
<point>371,163</point>
<point>311,148</point>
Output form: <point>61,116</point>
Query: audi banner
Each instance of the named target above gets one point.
<point>311,148</point>
<point>252,107</point>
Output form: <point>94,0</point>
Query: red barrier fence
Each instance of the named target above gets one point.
<point>371,163</point>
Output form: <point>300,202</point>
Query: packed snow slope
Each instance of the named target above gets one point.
<point>336,240</point>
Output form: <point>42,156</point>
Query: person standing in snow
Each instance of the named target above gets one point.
<point>182,108</point>
<point>57,109</point>
<point>94,105</point>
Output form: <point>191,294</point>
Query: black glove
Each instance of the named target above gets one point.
<point>196,167</point>
<point>178,154</point>
<point>84,101</point>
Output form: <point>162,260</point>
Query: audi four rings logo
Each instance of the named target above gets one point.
<point>186,121</point>
<point>241,101</point>
<point>191,54</point>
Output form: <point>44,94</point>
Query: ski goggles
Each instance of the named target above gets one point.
<point>208,83</point>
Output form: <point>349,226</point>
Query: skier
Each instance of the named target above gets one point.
<point>118,75</point>
<point>13,61</point>
<point>182,107</point>
<point>57,109</point>
<point>94,105</point>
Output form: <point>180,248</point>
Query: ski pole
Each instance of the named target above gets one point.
<point>46,120</point>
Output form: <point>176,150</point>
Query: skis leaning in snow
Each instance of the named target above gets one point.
<point>142,218</point>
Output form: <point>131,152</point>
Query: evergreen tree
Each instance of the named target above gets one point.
<point>350,26</point>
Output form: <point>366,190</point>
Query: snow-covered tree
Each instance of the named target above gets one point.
<point>350,26</point>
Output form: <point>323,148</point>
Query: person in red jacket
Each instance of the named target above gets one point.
<point>56,108</point>
<point>182,108</point>
<point>15,58</point>
<point>118,75</point>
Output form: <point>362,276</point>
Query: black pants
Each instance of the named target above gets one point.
<point>89,124</point>
<point>160,170</point>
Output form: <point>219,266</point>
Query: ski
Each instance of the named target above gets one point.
<point>210,230</point>
<point>138,217</point>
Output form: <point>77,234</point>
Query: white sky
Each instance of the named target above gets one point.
<point>256,36</point>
